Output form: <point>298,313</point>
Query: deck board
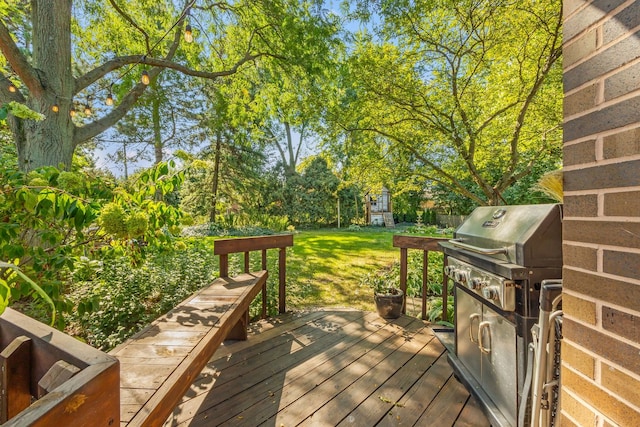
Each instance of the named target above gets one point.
<point>160,362</point>
<point>327,368</point>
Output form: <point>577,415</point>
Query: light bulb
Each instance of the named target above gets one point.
<point>72,111</point>
<point>87,110</point>
<point>12,88</point>
<point>145,77</point>
<point>188,34</point>
<point>109,100</point>
<point>55,108</point>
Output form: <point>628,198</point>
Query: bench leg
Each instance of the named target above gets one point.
<point>239,331</point>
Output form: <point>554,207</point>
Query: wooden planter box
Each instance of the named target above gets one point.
<point>49,378</point>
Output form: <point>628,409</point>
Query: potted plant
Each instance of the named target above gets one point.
<point>388,296</point>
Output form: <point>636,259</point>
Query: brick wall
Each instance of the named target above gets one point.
<point>601,230</point>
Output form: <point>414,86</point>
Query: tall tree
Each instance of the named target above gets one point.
<point>463,93</point>
<point>74,50</point>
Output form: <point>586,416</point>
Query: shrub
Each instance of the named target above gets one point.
<point>121,299</point>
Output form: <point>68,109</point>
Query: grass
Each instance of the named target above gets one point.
<point>325,267</point>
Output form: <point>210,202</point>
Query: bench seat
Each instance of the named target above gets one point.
<point>159,363</point>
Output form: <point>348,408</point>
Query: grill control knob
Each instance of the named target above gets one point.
<point>491,293</point>
<point>461,276</point>
<point>476,283</point>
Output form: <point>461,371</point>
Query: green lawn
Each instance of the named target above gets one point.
<point>325,267</point>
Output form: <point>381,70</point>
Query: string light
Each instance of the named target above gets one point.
<point>109,100</point>
<point>72,111</point>
<point>87,110</point>
<point>55,108</point>
<point>145,78</point>
<point>12,88</point>
<point>188,34</point>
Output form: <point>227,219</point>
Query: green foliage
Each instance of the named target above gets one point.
<point>112,220</point>
<point>9,280</point>
<point>52,220</point>
<point>309,198</point>
<point>459,94</point>
<point>20,111</point>
<point>389,277</point>
<point>121,298</point>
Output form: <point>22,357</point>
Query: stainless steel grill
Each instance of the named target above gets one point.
<point>497,260</point>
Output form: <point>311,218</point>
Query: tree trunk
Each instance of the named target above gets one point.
<point>125,160</point>
<point>49,142</point>
<point>290,167</point>
<point>157,134</point>
<point>216,179</point>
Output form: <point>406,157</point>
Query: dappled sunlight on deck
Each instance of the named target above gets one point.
<point>329,367</point>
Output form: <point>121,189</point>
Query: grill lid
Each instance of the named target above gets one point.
<point>527,235</point>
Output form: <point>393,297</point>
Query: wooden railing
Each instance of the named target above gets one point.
<point>425,244</point>
<point>247,245</point>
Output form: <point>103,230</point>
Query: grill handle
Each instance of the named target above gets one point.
<point>472,318</point>
<point>476,249</point>
<point>481,328</point>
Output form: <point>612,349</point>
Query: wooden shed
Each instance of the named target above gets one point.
<point>379,208</point>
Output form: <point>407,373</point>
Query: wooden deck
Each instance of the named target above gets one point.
<point>327,368</point>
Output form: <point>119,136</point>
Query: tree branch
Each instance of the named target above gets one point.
<point>6,95</point>
<point>133,24</point>
<point>97,73</point>
<point>19,62</point>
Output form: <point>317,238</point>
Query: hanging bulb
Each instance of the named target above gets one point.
<point>188,34</point>
<point>55,108</point>
<point>12,88</point>
<point>72,111</point>
<point>87,110</point>
<point>109,100</point>
<point>145,78</point>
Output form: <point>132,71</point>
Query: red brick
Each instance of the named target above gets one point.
<point>620,24</point>
<point>578,49</point>
<point>583,415</point>
<point>626,325</point>
<point>577,154</point>
<point>582,100</point>
<point>607,290</point>
<point>622,144</point>
<point>609,348</point>
<point>617,115</point>
<point>626,203</point>
<point>621,263</point>
<point>621,384</point>
<point>580,256</point>
<point>603,401</point>
<point>604,62</point>
<point>588,16</point>
<point>611,233</point>
<point>580,206</point>
<point>579,308</point>
<point>578,360</point>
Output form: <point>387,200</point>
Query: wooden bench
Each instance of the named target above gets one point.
<point>159,364</point>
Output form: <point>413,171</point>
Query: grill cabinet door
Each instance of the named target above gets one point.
<point>468,318</point>
<point>499,370</point>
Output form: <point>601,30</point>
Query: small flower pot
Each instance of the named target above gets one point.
<point>389,305</point>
